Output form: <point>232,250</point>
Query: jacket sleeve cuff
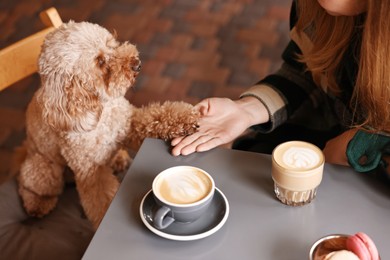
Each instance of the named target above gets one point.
<point>273,102</point>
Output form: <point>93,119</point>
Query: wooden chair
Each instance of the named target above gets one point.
<point>19,60</point>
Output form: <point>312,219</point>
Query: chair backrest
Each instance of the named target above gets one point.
<point>20,59</point>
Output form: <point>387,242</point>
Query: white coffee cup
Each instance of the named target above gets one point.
<point>183,194</point>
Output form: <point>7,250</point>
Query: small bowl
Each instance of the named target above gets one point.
<point>327,244</point>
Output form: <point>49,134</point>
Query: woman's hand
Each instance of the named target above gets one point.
<point>222,120</point>
<point>336,148</point>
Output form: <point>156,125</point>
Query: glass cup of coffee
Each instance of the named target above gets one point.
<point>182,193</point>
<point>297,169</point>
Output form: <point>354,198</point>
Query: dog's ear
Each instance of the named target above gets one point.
<point>69,104</point>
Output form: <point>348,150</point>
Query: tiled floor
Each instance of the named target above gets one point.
<point>190,49</point>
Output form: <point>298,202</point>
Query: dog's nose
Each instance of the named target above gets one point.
<point>136,67</point>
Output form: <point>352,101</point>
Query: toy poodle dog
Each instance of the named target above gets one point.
<point>79,118</point>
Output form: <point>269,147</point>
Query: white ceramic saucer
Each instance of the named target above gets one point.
<point>206,225</point>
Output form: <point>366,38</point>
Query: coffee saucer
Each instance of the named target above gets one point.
<point>206,225</point>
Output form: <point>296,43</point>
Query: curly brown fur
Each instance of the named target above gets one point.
<point>80,119</point>
<point>166,121</point>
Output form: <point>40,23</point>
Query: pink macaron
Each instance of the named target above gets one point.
<point>362,245</point>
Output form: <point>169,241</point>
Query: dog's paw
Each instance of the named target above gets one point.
<point>185,122</point>
<point>164,121</point>
<point>192,124</point>
<point>36,205</point>
<point>177,119</point>
<point>121,161</point>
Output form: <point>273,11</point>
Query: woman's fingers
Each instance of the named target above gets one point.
<point>182,142</point>
<point>177,140</point>
<point>211,143</point>
<point>197,142</point>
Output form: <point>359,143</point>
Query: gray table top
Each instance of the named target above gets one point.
<point>258,226</point>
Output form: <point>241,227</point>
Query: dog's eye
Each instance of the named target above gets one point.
<point>100,60</point>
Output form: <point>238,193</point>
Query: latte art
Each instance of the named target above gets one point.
<point>300,158</point>
<point>184,187</point>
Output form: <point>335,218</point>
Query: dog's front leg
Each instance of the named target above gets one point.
<point>40,183</point>
<point>96,187</point>
<point>164,121</point>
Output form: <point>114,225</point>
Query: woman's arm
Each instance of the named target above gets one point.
<point>222,121</point>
